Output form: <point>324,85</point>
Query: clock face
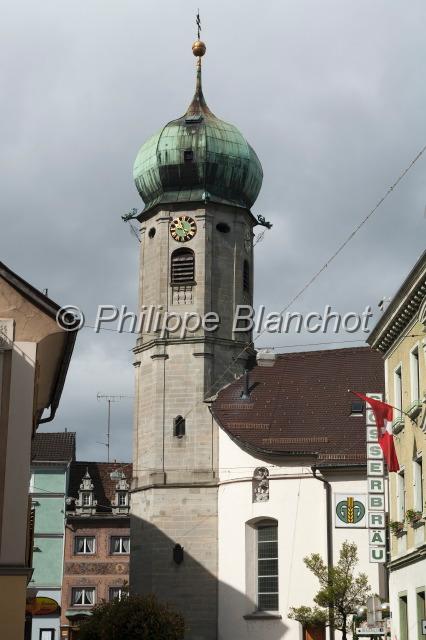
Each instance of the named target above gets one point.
<point>183,228</point>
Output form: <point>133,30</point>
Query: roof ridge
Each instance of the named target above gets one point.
<point>317,351</point>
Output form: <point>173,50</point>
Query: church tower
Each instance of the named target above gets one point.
<point>198,178</point>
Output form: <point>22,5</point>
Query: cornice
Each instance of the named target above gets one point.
<point>402,310</point>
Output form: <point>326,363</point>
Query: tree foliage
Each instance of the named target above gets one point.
<point>341,592</point>
<point>309,616</point>
<point>133,618</point>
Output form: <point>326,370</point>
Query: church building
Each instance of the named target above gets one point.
<point>230,466</point>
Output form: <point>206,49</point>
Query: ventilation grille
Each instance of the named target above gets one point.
<point>182,267</point>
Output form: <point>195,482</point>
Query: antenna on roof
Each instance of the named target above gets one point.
<point>109,399</point>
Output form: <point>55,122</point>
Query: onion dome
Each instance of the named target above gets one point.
<point>198,158</point>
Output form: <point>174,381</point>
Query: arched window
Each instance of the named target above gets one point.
<point>267,565</point>
<point>262,563</point>
<point>179,427</point>
<point>246,276</point>
<point>183,267</point>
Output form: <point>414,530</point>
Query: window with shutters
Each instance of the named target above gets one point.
<point>182,267</point>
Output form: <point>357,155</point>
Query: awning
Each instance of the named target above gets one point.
<point>75,613</point>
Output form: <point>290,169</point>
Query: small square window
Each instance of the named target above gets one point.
<point>120,544</point>
<point>188,155</point>
<point>83,596</point>
<point>84,544</point>
<point>357,408</point>
<point>116,593</point>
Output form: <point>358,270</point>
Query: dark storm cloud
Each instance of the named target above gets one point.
<point>330,94</point>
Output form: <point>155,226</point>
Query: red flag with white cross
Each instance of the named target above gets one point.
<point>383,414</point>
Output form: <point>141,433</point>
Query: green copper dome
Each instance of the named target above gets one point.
<point>198,158</point>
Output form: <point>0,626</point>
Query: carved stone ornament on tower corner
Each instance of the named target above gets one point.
<point>261,484</point>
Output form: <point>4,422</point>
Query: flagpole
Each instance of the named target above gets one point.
<point>389,405</point>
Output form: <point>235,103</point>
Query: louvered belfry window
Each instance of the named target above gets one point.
<point>183,267</point>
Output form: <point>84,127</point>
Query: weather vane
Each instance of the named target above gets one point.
<point>198,21</point>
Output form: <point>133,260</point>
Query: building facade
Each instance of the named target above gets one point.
<point>199,179</point>
<point>400,336</point>
<point>97,540</point>
<point>34,356</point>
<point>52,454</point>
<point>292,457</point>
<point>205,488</point>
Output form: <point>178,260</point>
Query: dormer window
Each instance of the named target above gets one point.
<point>122,498</point>
<point>357,408</point>
<point>120,503</point>
<point>86,503</point>
<point>87,499</point>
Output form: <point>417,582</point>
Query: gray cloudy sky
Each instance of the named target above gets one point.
<point>331,95</point>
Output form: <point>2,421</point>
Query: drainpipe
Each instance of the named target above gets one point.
<point>246,391</point>
<point>329,513</point>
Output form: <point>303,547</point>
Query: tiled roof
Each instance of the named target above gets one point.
<point>301,405</point>
<point>104,486</point>
<point>53,447</point>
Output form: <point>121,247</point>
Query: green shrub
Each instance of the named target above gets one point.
<point>133,618</point>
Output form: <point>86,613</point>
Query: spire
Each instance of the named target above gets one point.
<point>198,105</point>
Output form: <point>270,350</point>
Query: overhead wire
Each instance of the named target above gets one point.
<point>313,278</point>
<point>317,273</point>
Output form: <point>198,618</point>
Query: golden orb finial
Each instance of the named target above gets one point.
<point>198,48</point>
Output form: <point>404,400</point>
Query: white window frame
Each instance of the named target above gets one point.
<point>88,495</point>
<point>418,474</point>
<point>122,591</point>
<point>84,590</point>
<point>266,522</point>
<point>401,494</point>
<point>397,387</point>
<point>121,552</point>
<point>125,495</point>
<point>85,552</point>
<point>415,373</point>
